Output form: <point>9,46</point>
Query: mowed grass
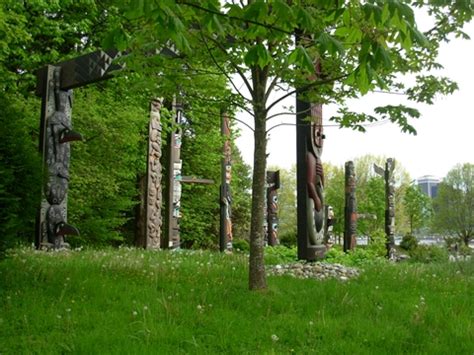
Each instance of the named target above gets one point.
<point>131,301</point>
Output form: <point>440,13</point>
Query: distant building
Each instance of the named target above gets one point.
<point>428,185</point>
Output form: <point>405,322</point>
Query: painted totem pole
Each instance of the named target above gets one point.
<point>273,184</point>
<point>350,209</point>
<point>310,179</point>
<point>153,201</point>
<point>387,174</point>
<point>54,87</point>
<point>225,240</point>
<point>171,239</point>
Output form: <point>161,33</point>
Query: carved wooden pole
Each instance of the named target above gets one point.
<point>225,240</point>
<point>350,210</point>
<point>54,84</point>
<point>273,184</point>
<point>171,237</point>
<point>310,178</point>
<point>387,174</point>
<point>55,134</point>
<point>153,199</point>
<point>390,206</point>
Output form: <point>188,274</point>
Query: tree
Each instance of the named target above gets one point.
<point>361,46</point>
<point>454,204</point>
<point>417,207</point>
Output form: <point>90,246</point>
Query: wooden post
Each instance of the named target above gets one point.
<point>390,207</point>
<point>350,210</point>
<point>55,134</point>
<point>171,237</point>
<point>387,174</point>
<point>225,235</point>
<point>153,199</point>
<point>273,184</point>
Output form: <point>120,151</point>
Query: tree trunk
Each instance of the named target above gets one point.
<point>257,279</point>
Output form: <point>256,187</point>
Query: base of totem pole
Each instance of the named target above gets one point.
<point>315,252</point>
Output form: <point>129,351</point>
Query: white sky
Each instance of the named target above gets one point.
<point>445,129</point>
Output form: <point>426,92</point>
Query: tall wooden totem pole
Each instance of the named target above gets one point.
<point>310,178</point>
<point>171,238</point>
<point>225,240</point>
<point>54,87</point>
<point>273,184</point>
<point>387,174</point>
<point>153,201</point>
<point>350,209</point>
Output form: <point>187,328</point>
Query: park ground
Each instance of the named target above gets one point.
<point>131,301</point>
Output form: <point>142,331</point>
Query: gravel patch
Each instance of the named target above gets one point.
<point>316,270</point>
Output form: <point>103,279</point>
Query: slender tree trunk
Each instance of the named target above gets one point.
<point>257,277</point>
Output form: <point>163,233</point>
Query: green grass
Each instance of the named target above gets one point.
<point>137,302</point>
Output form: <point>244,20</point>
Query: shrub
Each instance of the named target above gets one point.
<point>377,243</point>
<point>428,254</point>
<point>409,242</point>
<point>288,239</point>
<point>241,245</point>
<point>280,255</point>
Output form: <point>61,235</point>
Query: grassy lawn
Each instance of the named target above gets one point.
<point>136,302</point>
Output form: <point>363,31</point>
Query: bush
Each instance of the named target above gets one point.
<point>280,255</point>
<point>409,242</point>
<point>356,257</point>
<point>377,243</point>
<point>428,254</point>
<point>240,245</point>
<point>288,239</point>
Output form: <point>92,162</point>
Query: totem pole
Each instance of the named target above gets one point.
<point>54,87</point>
<point>350,209</point>
<point>153,199</point>
<point>225,240</point>
<point>330,220</point>
<point>171,237</point>
<point>387,174</point>
<point>273,184</point>
<point>310,179</point>
<point>55,134</point>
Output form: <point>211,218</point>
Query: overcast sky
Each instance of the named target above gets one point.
<point>445,130</point>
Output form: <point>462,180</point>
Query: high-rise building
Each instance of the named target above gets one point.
<point>428,185</point>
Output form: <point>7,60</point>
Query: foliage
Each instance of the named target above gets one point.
<point>454,204</point>
<point>357,257</point>
<point>280,254</point>
<point>105,165</point>
<point>409,242</point>
<point>428,254</point>
<point>20,171</point>
<point>240,245</point>
<point>418,207</point>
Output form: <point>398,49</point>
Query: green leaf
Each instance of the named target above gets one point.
<point>258,55</point>
<point>300,57</point>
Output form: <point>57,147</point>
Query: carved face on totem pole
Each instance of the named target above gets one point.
<point>315,177</point>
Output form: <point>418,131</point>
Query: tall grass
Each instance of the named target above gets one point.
<point>138,302</point>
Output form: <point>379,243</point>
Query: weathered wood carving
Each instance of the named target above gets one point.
<point>273,184</point>
<point>55,134</point>
<point>387,174</point>
<point>225,240</point>
<point>350,209</point>
<point>154,193</point>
